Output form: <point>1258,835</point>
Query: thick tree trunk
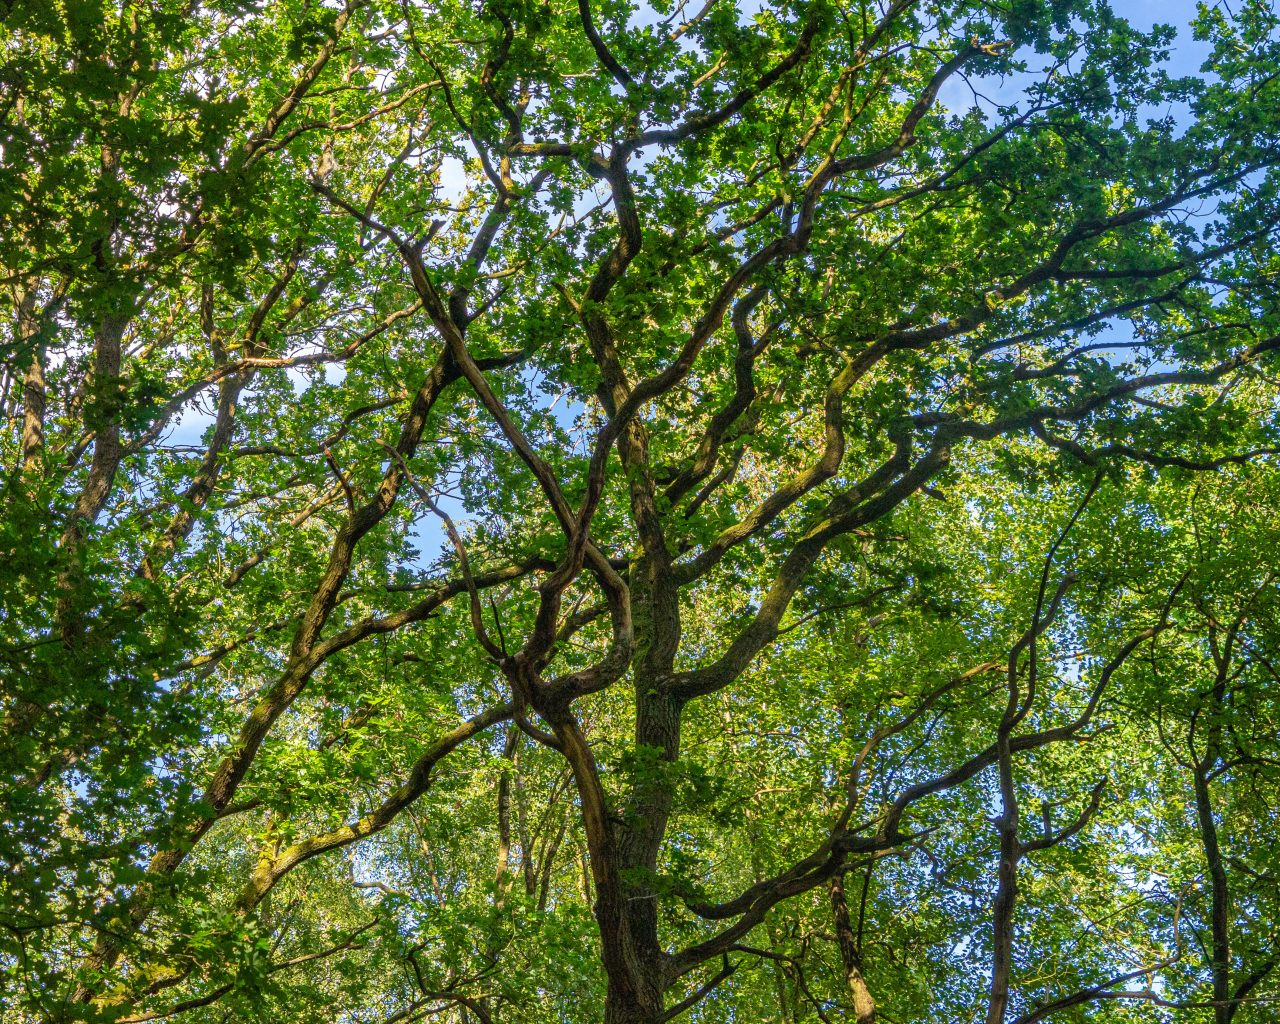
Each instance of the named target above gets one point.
<point>647,811</point>
<point>633,966</point>
<point>630,1003</point>
<point>638,998</point>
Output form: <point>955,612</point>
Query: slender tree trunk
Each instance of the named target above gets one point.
<point>1219,922</point>
<point>25,711</point>
<point>1007,885</point>
<point>527,866</point>
<point>1219,892</point>
<point>107,453</point>
<point>864,1007</point>
<point>503,869</point>
<point>33,391</point>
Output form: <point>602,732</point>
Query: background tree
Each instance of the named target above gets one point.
<point>535,512</point>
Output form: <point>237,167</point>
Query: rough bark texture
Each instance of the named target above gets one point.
<point>864,1006</point>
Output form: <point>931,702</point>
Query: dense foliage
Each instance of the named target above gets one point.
<point>524,511</point>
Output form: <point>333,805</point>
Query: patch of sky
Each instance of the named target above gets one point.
<point>1186,56</point>
<point>427,534</point>
<point>189,427</point>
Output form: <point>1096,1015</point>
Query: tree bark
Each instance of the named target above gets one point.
<point>1220,894</point>
<point>864,1006</point>
<point>634,968</point>
<point>33,391</point>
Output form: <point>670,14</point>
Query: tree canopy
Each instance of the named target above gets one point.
<point>523,511</point>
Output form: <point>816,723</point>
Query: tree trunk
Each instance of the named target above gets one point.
<point>629,931</point>
<point>630,1004</point>
<point>1219,891</point>
<point>634,968</point>
<point>34,397</point>
<point>864,1007</point>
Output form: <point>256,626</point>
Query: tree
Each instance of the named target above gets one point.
<point>541,511</point>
